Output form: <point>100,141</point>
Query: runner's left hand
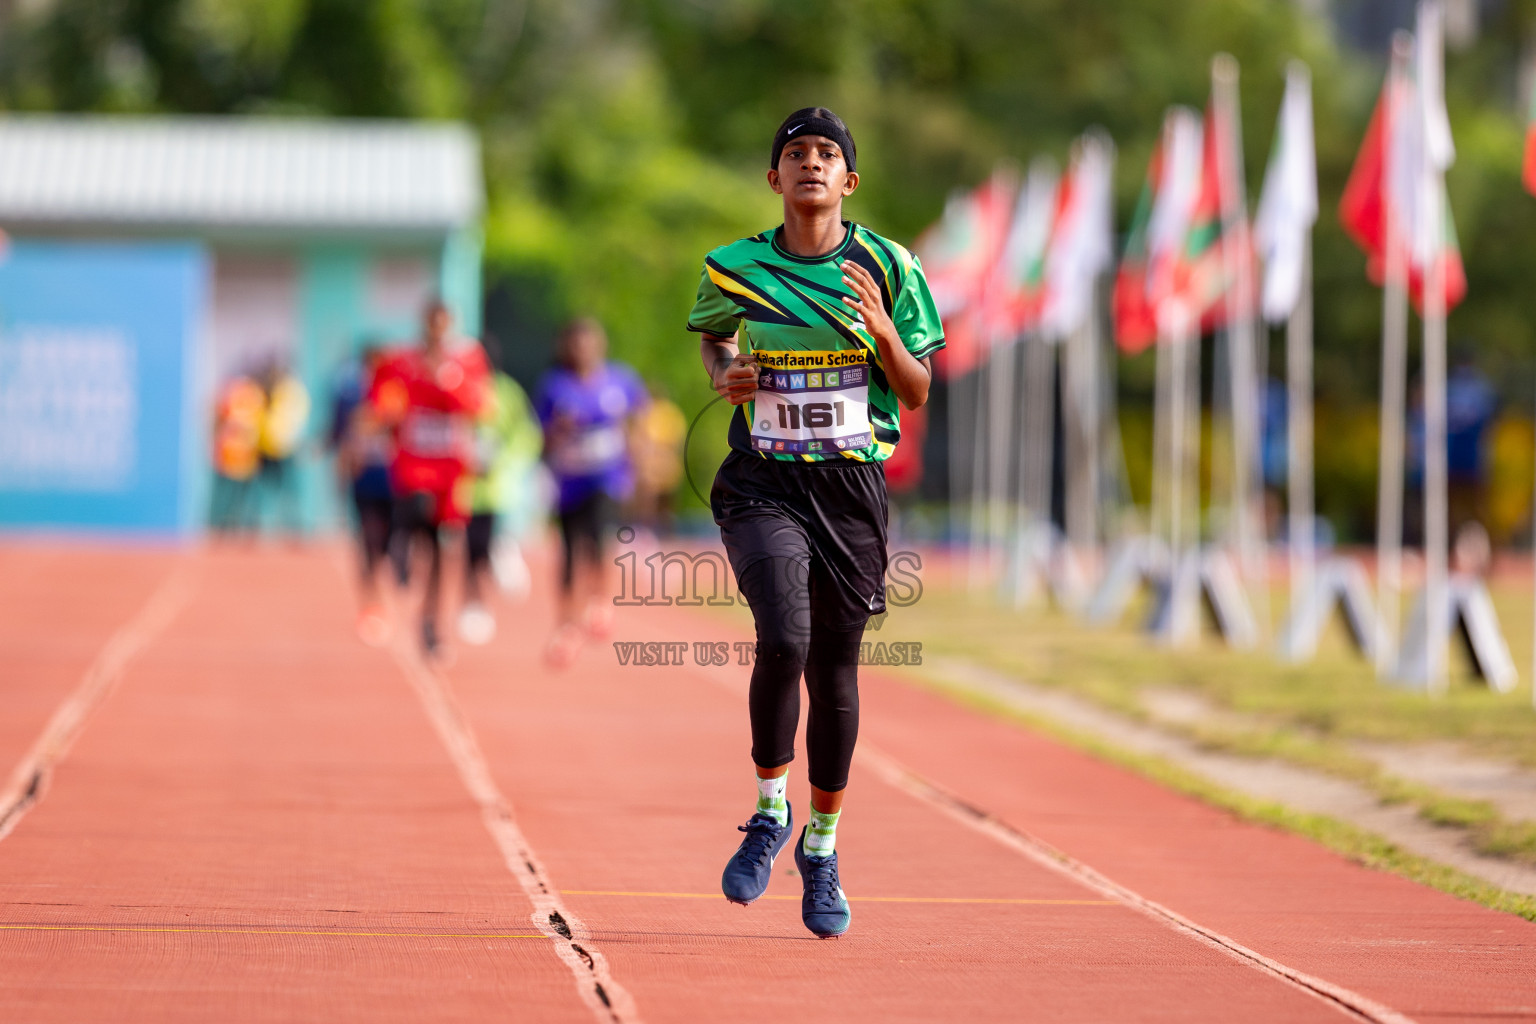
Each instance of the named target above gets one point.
<point>865,300</point>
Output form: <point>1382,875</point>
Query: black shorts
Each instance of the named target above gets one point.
<point>585,527</point>
<point>828,518</point>
<point>375,522</point>
<point>479,532</point>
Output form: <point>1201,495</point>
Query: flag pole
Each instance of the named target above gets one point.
<point>1436,527</point>
<point>1433,213</point>
<point>1115,501</point>
<point>1080,406</point>
<point>1298,360</point>
<point>1191,441</point>
<point>979,444</point>
<point>1177,482</point>
<point>1023,501</point>
<point>1161,410</point>
<point>1394,385</point>
<point>1093,434</point>
<point>1001,401</point>
<point>1247,484</point>
<point>1036,457</point>
<point>1180,334</point>
<point>956,471</point>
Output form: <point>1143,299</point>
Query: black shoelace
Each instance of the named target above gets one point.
<point>761,833</point>
<point>822,880</point>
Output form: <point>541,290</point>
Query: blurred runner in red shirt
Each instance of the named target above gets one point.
<point>430,395</point>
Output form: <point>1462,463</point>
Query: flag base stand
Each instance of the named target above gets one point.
<point>1341,583</point>
<point>1040,561</point>
<point>1134,562</point>
<point>1468,614</point>
<point>1179,588</point>
<point>1209,575</point>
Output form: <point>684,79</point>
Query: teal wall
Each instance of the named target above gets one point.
<point>333,292</point>
<point>459,278</point>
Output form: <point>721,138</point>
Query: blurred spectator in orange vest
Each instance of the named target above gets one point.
<point>236,454</point>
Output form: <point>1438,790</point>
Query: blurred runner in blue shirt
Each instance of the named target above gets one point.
<point>586,405</point>
<point>363,448</point>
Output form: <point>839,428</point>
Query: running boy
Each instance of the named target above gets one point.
<point>813,330</point>
<point>429,396</point>
<point>587,405</point>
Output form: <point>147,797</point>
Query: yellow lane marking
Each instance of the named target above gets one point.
<point>857,899</point>
<point>267,931</point>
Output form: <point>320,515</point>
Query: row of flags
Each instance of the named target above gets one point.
<point>1011,258</point>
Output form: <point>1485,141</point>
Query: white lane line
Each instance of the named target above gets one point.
<point>33,774</point>
<point>894,773</point>
<point>1351,1003</point>
<point>573,943</point>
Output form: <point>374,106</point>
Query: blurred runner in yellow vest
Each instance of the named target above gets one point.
<point>507,444</point>
<point>659,431</point>
<point>282,429</point>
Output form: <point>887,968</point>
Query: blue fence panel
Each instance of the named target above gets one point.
<point>98,348</point>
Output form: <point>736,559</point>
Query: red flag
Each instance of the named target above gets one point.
<point>1447,248</point>
<point>1528,171</point>
<point>1135,319</point>
<point>1012,295</point>
<point>1153,272</point>
<point>959,254</point>
<point>1387,183</point>
<point>1363,207</point>
<point>1201,274</point>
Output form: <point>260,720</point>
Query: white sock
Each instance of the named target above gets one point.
<point>821,834</point>
<point>770,798</point>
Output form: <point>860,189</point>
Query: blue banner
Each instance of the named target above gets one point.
<point>98,346</point>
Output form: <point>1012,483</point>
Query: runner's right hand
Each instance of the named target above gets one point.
<point>737,381</point>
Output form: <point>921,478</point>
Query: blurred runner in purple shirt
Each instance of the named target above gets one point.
<point>586,405</point>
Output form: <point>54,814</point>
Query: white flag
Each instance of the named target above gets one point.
<point>1429,72</point>
<point>1178,190</point>
<point>1431,228</point>
<point>1083,245</point>
<point>1288,202</point>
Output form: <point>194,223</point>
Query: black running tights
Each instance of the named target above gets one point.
<point>417,516</point>
<point>791,641</point>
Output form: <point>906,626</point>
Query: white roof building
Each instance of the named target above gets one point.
<point>208,174</point>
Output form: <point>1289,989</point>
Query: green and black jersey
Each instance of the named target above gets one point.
<point>823,393</point>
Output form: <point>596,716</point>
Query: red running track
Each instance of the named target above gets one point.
<point>260,819</point>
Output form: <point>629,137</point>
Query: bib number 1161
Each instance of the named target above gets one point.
<point>811,415</point>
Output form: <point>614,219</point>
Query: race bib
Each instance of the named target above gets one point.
<point>811,403</point>
<point>589,450</point>
<point>432,435</point>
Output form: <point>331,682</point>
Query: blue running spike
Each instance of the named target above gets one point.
<point>823,908</point>
<point>747,872</point>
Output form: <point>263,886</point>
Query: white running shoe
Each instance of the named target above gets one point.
<point>477,626</point>
<point>510,570</point>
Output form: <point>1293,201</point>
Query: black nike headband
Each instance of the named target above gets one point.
<point>796,127</point>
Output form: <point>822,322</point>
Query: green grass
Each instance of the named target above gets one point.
<point>1335,696</point>
<point>1354,843</point>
